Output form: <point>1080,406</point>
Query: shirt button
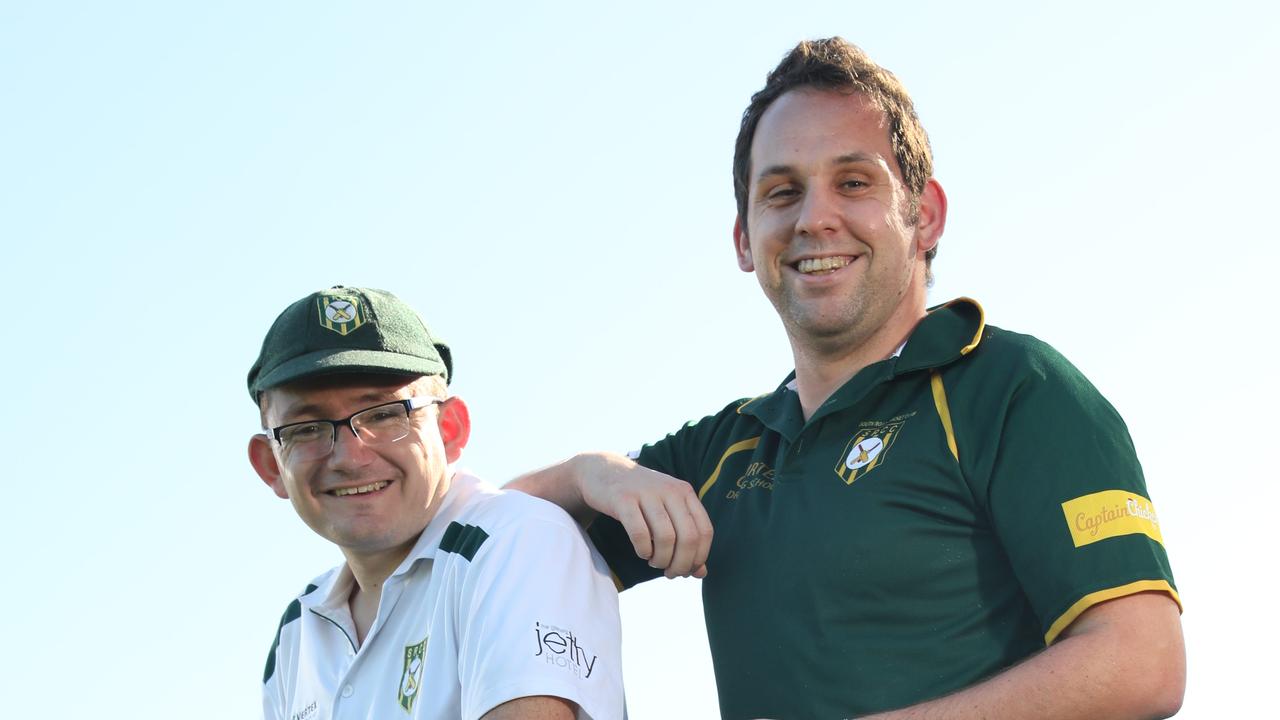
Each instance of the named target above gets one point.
<point>347,691</point>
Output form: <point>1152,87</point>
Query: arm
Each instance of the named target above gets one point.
<point>540,707</point>
<point>543,633</point>
<point>662,515</point>
<point>1120,659</point>
<point>1045,454</point>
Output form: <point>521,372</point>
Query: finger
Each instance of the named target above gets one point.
<point>687,539</point>
<point>702,523</point>
<point>696,541</point>
<point>663,532</point>
<point>637,528</point>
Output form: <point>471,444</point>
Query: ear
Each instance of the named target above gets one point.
<point>932,218</point>
<point>263,459</point>
<point>742,246</point>
<point>454,421</point>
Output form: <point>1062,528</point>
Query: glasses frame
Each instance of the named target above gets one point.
<point>410,404</point>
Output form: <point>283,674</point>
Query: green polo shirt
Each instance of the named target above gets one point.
<point>944,514</point>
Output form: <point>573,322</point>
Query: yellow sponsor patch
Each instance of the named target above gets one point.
<point>1108,514</point>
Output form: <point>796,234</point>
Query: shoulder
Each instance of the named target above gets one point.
<point>697,439</point>
<point>1014,370</point>
<point>736,415</point>
<point>318,584</point>
<point>517,540</point>
<point>499,508</point>
<point>284,631</point>
<point>1001,344</point>
<point>1020,357</point>
<point>294,609</point>
<point>504,515</point>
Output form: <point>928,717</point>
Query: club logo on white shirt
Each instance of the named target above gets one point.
<point>411,679</point>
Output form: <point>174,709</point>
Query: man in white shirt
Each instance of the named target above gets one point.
<point>456,600</point>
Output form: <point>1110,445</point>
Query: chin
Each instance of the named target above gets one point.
<point>824,327</point>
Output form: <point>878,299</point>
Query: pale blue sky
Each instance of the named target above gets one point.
<point>549,185</point>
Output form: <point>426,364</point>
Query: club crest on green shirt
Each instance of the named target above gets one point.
<point>867,450</point>
<point>339,313</point>
<point>415,657</point>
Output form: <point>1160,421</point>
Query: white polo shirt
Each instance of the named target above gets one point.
<point>502,597</point>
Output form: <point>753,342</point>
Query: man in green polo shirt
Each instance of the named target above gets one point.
<point>930,517</point>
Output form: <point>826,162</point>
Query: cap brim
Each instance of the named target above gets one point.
<point>329,362</point>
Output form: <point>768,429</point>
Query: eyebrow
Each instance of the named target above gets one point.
<point>847,159</point>
<point>292,412</point>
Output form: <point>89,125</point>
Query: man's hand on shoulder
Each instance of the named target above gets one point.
<point>662,515</point>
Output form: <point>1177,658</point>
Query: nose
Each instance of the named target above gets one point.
<point>819,213</point>
<point>348,449</point>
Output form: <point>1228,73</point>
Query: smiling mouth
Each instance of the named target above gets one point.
<point>363,489</point>
<point>822,266</point>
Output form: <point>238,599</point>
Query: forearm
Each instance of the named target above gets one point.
<point>562,484</point>
<point>1126,664</point>
<point>662,516</point>
<point>1065,681</point>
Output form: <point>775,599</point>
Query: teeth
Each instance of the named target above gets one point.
<point>362,489</point>
<point>826,264</point>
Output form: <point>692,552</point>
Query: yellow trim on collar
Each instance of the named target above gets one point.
<point>982,323</point>
<point>748,402</point>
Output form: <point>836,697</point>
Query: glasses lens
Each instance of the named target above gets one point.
<point>306,441</point>
<point>383,424</point>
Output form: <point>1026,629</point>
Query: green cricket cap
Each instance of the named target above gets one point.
<point>347,330</point>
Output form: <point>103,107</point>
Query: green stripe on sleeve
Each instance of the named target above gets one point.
<point>291,613</point>
<point>465,540</point>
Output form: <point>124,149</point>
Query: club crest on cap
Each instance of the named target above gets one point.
<point>341,314</point>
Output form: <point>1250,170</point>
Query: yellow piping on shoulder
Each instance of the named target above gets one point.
<point>748,444</point>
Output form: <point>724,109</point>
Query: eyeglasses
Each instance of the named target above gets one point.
<point>379,425</point>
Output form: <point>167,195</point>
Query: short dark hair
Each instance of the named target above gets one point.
<point>835,64</point>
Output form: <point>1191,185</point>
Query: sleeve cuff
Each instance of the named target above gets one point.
<point>1065,619</point>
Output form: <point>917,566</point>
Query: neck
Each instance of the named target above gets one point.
<point>371,568</point>
<point>823,368</point>
<point>371,572</point>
